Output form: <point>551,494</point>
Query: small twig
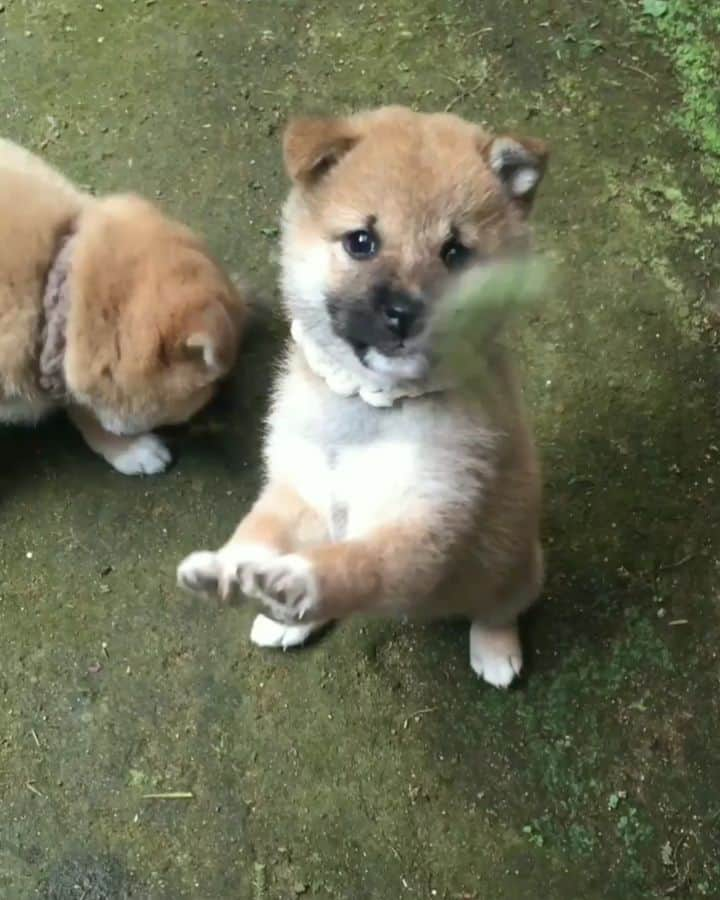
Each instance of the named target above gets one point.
<point>259,881</point>
<point>479,31</point>
<point>679,563</point>
<point>170,795</point>
<point>35,737</point>
<point>33,790</point>
<point>420,712</point>
<point>678,622</point>
<point>454,81</point>
<point>681,878</point>
<point>72,538</point>
<point>463,92</point>
<point>636,69</point>
<point>458,98</point>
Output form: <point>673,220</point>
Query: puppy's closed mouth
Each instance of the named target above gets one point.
<point>401,365</point>
<point>399,361</point>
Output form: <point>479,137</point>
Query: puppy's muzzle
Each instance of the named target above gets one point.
<point>386,319</point>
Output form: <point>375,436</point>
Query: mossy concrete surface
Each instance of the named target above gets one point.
<point>373,764</point>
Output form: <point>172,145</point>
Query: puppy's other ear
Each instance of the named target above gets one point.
<point>520,164</point>
<point>210,337</point>
<point>313,146</point>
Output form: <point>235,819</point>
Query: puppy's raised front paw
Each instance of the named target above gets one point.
<point>286,585</point>
<point>144,455</point>
<point>220,573</point>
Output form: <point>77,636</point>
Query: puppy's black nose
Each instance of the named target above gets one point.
<point>402,314</point>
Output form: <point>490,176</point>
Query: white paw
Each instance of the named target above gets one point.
<point>388,396</point>
<point>495,654</point>
<point>146,455</point>
<point>337,379</point>
<point>498,671</point>
<point>220,573</point>
<point>286,585</point>
<point>379,397</point>
<point>340,382</point>
<point>266,632</point>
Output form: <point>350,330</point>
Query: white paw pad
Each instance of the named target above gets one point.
<point>286,585</point>
<point>266,632</point>
<point>146,455</point>
<point>495,654</point>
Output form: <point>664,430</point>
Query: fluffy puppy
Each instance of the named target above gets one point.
<point>387,489</point>
<point>107,308</point>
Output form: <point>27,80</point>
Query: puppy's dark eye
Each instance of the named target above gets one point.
<point>362,244</point>
<point>454,254</point>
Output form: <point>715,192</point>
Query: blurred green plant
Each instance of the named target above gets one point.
<point>482,303</point>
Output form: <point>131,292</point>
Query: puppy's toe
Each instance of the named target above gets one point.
<point>243,566</point>
<point>267,632</point>
<point>286,585</point>
<point>499,672</point>
<point>146,455</point>
<point>200,572</point>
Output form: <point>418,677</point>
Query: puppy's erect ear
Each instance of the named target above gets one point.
<point>520,164</point>
<point>312,146</point>
<point>210,337</point>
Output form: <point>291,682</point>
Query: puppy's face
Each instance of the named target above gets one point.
<point>154,323</point>
<point>388,208</point>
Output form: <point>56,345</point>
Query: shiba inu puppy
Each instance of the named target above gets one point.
<point>107,308</point>
<point>384,482</point>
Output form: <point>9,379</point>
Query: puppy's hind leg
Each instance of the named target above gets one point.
<point>495,649</point>
<point>266,632</point>
<point>495,653</point>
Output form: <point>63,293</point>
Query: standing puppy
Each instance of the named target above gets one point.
<point>107,308</point>
<point>384,482</point>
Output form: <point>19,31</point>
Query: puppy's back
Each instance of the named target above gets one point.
<point>37,206</point>
<point>14,158</point>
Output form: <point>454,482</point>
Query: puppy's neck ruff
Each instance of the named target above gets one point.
<point>55,310</point>
<point>349,384</point>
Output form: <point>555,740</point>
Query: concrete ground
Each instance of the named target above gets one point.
<point>374,766</point>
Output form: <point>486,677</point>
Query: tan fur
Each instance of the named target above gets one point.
<point>280,518</point>
<point>153,322</point>
<point>430,508</point>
